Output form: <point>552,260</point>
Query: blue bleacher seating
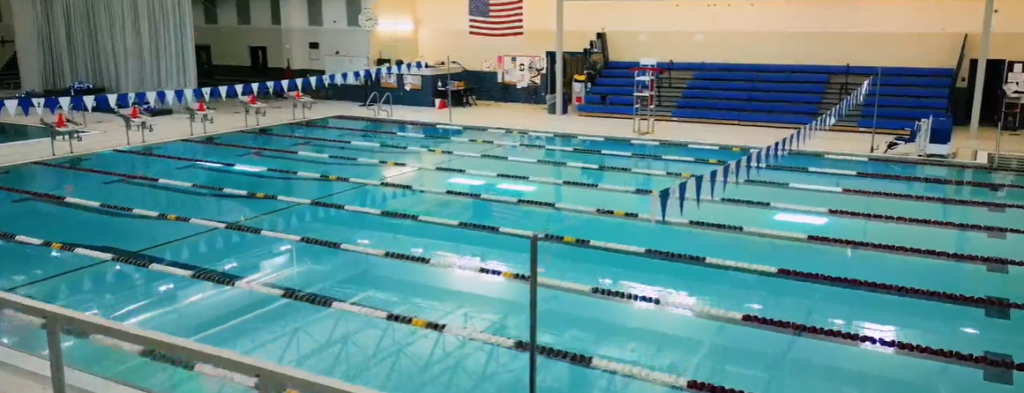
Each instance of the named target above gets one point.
<point>793,68</point>
<point>902,113</point>
<point>933,103</point>
<point>613,82</point>
<point>924,92</point>
<point>612,109</point>
<point>620,91</point>
<point>886,124</point>
<point>779,93</point>
<point>747,106</point>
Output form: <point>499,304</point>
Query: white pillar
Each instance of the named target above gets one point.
<point>559,56</point>
<point>979,78</point>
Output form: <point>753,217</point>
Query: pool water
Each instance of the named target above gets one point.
<point>390,357</point>
<point>10,133</point>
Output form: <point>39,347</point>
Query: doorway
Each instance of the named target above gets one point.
<point>204,59</point>
<point>995,73</point>
<point>258,59</point>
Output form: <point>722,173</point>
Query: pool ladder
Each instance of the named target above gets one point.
<point>378,106</point>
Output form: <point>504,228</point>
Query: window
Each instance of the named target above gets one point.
<point>275,12</point>
<point>352,10</point>
<point>242,9</point>
<point>210,11</point>
<point>316,12</point>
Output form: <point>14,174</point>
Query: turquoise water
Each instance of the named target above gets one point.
<point>396,358</point>
<point>18,133</point>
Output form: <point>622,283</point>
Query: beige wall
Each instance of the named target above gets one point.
<point>923,33</point>
<point>395,37</point>
<point>230,41</point>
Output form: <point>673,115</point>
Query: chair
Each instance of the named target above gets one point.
<point>469,96</point>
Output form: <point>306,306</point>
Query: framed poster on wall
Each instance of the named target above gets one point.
<point>520,70</point>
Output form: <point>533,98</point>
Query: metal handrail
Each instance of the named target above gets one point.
<point>267,373</point>
<point>376,105</point>
<point>391,106</point>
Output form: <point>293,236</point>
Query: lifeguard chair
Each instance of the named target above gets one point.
<point>645,95</point>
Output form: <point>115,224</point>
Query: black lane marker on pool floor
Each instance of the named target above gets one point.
<point>325,301</point>
<point>869,286</point>
<point>813,332</point>
<point>991,231</point>
<point>702,225</point>
<point>883,194</point>
<point>985,303</point>
<point>571,164</point>
<point>664,142</point>
<point>617,153</point>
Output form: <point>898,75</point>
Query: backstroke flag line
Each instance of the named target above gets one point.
<point>763,157</point>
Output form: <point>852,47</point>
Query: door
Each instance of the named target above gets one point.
<point>995,73</point>
<point>258,59</point>
<point>204,60</point>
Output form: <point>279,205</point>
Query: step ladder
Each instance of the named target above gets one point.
<point>645,95</point>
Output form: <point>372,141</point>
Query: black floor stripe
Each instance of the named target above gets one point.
<point>78,269</point>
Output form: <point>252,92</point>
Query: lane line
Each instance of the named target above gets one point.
<point>946,256</point>
<point>678,143</point>
<point>562,163</point>
<point>983,302</point>
<point>916,179</point>
<point>668,303</point>
<point>730,201</point>
<point>231,280</point>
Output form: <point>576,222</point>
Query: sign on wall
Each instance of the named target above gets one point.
<point>520,70</point>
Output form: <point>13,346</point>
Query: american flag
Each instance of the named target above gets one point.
<point>496,18</point>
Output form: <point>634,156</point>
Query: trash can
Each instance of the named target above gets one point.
<point>551,104</point>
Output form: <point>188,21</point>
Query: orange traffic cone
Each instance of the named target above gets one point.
<point>201,107</point>
<point>60,123</point>
<point>252,99</point>
<point>135,112</point>
<point>298,96</point>
<point>440,103</point>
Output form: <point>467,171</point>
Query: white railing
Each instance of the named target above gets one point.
<point>271,378</point>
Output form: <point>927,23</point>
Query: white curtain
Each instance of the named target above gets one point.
<point>122,45</point>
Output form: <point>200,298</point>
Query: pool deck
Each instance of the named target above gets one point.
<point>229,117</point>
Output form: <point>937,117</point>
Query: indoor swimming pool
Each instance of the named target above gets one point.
<point>431,223</point>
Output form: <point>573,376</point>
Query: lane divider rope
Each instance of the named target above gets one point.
<point>697,260</point>
<point>666,142</point>
<point>945,163</point>
<point>573,164</point>
<point>735,201</point>
<point>884,176</point>
<point>682,222</point>
<point>537,179</point>
<point>231,280</point>
<point>828,171</point>
<point>616,153</point>
<point>885,194</point>
<point>669,302</point>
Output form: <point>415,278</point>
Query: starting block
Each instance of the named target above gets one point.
<point>201,112</point>
<point>258,109</point>
<point>134,119</point>
<point>298,99</point>
<point>66,129</point>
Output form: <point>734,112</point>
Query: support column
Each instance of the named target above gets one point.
<point>979,79</point>
<point>559,56</point>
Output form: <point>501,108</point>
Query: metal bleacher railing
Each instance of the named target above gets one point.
<point>956,74</point>
<point>270,378</point>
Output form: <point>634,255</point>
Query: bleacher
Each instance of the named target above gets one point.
<point>776,94</point>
